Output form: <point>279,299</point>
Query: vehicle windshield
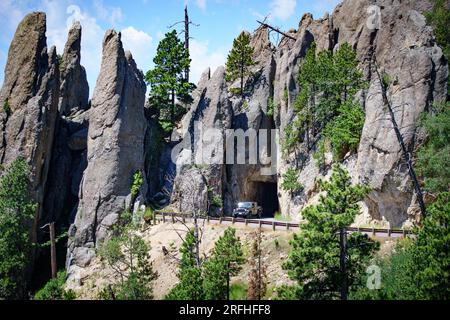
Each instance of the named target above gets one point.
<point>245,205</point>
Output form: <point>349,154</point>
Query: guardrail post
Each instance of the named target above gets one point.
<point>164,217</point>
<point>232,220</point>
<point>373,231</point>
<point>287,225</point>
<point>404,232</point>
<point>260,224</point>
<point>389,232</point>
<point>184,219</point>
<point>154,218</point>
<point>173,217</point>
<point>220,220</point>
<point>207,219</point>
<point>246,222</point>
<point>273,225</point>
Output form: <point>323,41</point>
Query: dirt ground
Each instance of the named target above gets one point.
<point>275,247</point>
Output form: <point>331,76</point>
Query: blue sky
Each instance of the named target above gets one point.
<point>144,22</point>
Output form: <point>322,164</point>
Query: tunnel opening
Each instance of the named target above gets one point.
<point>267,198</point>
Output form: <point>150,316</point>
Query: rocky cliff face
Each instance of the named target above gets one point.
<point>29,103</point>
<point>403,47</point>
<point>115,150</point>
<point>69,155</point>
<point>85,175</point>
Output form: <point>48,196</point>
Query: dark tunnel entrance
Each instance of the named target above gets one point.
<point>267,198</point>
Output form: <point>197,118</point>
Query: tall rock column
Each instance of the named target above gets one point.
<point>29,103</point>
<point>69,148</point>
<point>115,151</point>
<point>74,86</point>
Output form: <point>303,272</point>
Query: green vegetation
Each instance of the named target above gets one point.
<point>54,289</point>
<point>418,269</point>
<point>279,217</point>
<point>190,285</point>
<point>7,108</point>
<point>225,262</point>
<point>128,255</point>
<point>286,95</point>
<point>16,215</point>
<point>290,181</point>
<point>148,214</point>
<point>208,279</point>
<point>326,107</point>
<point>60,61</point>
<point>216,201</point>
<point>433,158</point>
<point>238,291</point>
<point>167,82</point>
<point>137,183</point>
<point>344,132</point>
<point>439,19</point>
<point>314,258</point>
<point>270,107</point>
<point>240,60</point>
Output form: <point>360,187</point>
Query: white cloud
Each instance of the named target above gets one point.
<point>201,4</point>
<point>202,58</point>
<point>257,14</point>
<point>91,42</point>
<point>139,44</point>
<point>112,15</point>
<point>282,9</point>
<point>11,13</point>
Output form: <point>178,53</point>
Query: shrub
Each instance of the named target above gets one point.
<point>137,183</point>
<point>270,107</point>
<point>7,108</point>
<point>238,291</point>
<point>290,181</point>
<point>54,289</point>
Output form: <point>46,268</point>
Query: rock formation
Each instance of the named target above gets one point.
<point>29,102</point>
<point>115,150</point>
<point>403,46</point>
<point>74,94</point>
<point>70,146</point>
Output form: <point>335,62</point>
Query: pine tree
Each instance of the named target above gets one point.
<point>240,59</point>
<point>433,158</point>
<point>257,283</point>
<point>314,261</point>
<point>128,255</point>
<point>290,181</point>
<point>190,286</point>
<point>167,81</point>
<point>225,262</point>
<point>16,215</point>
<point>326,108</point>
<point>418,269</point>
<point>431,252</point>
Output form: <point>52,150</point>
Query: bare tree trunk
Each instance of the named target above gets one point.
<point>186,40</point>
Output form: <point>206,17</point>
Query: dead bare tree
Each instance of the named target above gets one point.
<point>190,207</point>
<point>257,282</point>
<point>186,23</point>
<point>275,29</point>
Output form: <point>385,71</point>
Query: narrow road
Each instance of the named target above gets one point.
<point>272,224</point>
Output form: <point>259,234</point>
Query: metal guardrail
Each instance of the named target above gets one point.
<point>170,216</point>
